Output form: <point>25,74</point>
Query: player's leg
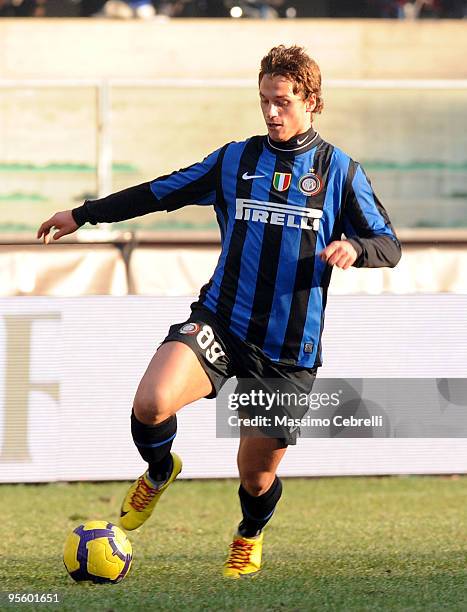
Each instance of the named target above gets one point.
<point>173,379</point>
<point>259,456</point>
<point>191,363</point>
<point>260,490</point>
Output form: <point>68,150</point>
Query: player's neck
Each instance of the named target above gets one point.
<point>296,143</point>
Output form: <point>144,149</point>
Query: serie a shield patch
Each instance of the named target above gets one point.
<point>281,181</point>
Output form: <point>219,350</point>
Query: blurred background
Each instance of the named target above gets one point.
<point>91,106</point>
<point>256,9</point>
<point>97,96</point>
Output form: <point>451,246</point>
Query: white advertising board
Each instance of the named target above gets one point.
<point>69,368</point>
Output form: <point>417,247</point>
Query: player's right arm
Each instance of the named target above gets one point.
<point>193,185</point>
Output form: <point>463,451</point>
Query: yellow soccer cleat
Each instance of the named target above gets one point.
<point>142,497</point>
<point>244,558</point>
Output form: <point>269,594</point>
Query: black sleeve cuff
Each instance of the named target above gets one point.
<point>80,215</point>
<point>359,248</point>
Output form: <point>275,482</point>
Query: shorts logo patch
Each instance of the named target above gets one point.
<point>310,184</point>
<point>308,348</point>
<point>190,329</point>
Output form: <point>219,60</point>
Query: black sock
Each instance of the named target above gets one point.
<point>154,443</point>
<point>160,471</point>
<point>258,510</point>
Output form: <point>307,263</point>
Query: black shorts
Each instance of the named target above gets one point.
<point>223,356</point>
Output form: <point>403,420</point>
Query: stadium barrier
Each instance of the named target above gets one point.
<point>113,122</point>
<point>69,368</point>
<point>128,265</point>
<point>104,87</point>
<point>73,270</point>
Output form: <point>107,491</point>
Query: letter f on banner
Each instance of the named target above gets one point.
<point>18,385</point>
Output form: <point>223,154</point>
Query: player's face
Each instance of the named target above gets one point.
<point>286,114</point>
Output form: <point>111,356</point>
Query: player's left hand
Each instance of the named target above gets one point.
<point>339,253</point>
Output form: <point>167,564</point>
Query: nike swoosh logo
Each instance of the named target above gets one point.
<point>248,177</point>
<point>299,142</point>
<point>123,513</point>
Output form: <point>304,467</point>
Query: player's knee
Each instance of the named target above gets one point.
<point>153,406</point>
<point>257,484</point>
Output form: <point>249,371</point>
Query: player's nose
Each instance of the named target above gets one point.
<point>271,111</point>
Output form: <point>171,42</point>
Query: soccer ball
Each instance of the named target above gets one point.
<point>98,552</point>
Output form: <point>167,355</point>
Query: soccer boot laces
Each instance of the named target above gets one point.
<point>142,497</point>
<point>244,558</point>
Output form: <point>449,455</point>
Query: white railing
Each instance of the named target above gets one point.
<point>103,88</point>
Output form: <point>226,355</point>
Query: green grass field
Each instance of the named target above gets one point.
<point>334,544</point>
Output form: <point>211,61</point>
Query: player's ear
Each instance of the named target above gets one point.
<point>311,103</point>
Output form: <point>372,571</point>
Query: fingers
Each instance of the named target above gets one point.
<point>329,252</point>
<point>344,262</point>
<point>346,265</point>
<point>336,257</point>
<point>62,232</point>
<point>339,253</point>
<point>44,230</point>
<point>60,224</point>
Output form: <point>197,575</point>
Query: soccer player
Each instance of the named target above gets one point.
<point>290,206</point>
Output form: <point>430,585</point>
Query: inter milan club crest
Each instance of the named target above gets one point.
<point>310,184</point>
<point>281,181</point>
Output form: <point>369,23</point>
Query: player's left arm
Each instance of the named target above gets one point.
<point>370,240</point>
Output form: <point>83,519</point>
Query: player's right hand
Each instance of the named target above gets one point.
<point>61,221</point>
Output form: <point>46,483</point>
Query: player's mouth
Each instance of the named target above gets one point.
<point>274,126</point>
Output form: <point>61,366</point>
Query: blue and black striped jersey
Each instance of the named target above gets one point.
<point>278,206</point>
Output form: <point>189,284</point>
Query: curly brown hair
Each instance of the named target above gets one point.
<point>296,65</point>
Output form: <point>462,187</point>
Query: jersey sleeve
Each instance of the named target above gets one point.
<point>366,223</point>
<point>193,185</point>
